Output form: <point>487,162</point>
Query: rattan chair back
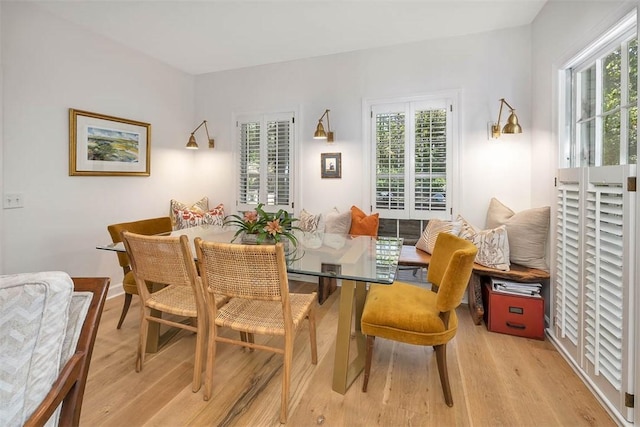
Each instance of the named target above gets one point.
<point>168,261</point>
<point>244,271</point>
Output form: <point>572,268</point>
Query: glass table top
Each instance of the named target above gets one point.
<point>360,258</point>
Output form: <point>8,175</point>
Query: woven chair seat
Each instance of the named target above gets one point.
<point>263,317</point>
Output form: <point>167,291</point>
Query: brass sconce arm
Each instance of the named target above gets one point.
<point>320,132</point>
<point>511,126</point>
<point>192,145</point>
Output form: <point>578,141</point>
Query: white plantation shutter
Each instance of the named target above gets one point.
<point>609,269</point>
<point>249,162</point>
<point>390,159</point>
<point>412,158</point>
<point>594,272</point>
<point>278,162</point>
<point>265,156</point>
<point>568,240</point>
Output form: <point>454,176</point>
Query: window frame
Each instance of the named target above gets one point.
<point>572,150</point>
<point>263,118</point>
<point>450,100</point>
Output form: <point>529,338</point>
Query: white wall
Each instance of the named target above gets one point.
<point>51,65</point>
<point>484,67</point>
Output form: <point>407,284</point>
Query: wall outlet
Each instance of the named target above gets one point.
<point>13,200</point>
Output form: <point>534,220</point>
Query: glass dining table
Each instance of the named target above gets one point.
<point>356,260</point>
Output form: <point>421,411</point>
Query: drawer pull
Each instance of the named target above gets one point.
<point>516,325</point>
<point>516,310</point>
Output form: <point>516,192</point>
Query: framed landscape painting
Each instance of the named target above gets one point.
<point>101,145</point>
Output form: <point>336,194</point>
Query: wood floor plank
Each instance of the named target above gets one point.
<point>496,380</point>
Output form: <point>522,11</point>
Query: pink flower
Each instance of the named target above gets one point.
<point>273,227</point>
<point>251,216</point>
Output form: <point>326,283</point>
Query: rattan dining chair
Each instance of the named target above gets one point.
<point>255,278</point>
<point>168,261</point>
<point>420,316</point>
<point>147,227</point>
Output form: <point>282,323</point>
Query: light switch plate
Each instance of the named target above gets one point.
<point>13,200</point>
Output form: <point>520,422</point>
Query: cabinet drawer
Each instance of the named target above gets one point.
<point>513,314</point>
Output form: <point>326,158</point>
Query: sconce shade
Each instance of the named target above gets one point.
<point>192,144</point>
<point>320,132</point>
<point>512,125</point>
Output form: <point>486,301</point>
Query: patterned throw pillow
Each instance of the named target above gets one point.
<point>201,206</point>
<point>492,244</point>
<point>189,218</point>
<point>434,227</point>
<point>527,230</point>
<point>308,222</point>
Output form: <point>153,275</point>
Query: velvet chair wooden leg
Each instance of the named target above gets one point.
<point>367,362</point>
<point>125,308</point>
<point>441,357</point>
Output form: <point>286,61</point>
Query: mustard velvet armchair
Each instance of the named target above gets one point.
<point>414,315</point>
<point>147,227</point>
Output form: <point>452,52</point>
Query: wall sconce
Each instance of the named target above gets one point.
<point>512,125</point>
<point>320,133</point>
<point>192,145</point>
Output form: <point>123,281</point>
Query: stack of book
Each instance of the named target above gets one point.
<point>515,288</point>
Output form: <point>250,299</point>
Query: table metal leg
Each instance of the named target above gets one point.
<point>344,371</point>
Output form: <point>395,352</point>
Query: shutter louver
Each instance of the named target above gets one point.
<point>249,163</point>
<point>430,160</point>
<point>278,155</point>
<point>567,261</point>
<point>604,296</point>
<point>390,159</point>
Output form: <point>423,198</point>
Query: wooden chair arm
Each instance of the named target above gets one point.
<point>67,379</point>
<point>70,384</point>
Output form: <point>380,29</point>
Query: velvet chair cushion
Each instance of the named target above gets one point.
<point>363,224</point>
<point>411,314</point>
<point>406,313</point>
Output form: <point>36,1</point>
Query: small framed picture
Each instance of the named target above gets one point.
<point>105,145</point>
<point>331,165</point>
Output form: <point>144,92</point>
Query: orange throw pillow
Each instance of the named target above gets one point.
<point>363,224</point>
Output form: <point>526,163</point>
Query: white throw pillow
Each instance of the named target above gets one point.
<point>527,230</point>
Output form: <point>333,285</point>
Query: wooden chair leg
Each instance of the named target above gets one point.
<point>286,377</point>
<point>210,361</point>
<point>441,357</point>
<point>312,336</point>
<point>367,362</point>
<point>125,308</point>
<point>197,363</point>
<point>142,343</point>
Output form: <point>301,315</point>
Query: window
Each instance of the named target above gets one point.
<point>265,156</point>
<point>412,159</point>
<point>602,84</point>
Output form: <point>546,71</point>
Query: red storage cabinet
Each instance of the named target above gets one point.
<point>513,314</point>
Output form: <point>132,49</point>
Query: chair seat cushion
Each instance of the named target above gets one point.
<point>406,313</point>
<point>129,284</point>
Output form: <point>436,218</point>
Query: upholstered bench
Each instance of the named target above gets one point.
<point>414,257</point>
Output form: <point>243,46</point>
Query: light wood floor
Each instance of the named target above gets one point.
<point>496,380</point>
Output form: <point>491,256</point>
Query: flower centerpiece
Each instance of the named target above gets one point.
<point>259,226</point>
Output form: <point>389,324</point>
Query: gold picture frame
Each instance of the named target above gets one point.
<point>101,145</point>
<point>331,165</point>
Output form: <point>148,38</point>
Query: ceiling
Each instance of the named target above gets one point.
<point>207,36</point>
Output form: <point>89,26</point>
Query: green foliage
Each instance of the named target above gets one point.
<point>266,226</point>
